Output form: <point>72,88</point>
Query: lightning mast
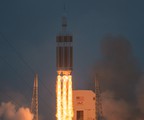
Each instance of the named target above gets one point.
<point>99,113</point>
<point>34,103</point>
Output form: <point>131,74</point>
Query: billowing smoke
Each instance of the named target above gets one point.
<point>118,70</point>
<point>119,73</point>
<point>140,97</point>
<point>115,109</point>
<point>8,112</point>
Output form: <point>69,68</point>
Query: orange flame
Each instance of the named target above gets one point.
<point>64,97</point>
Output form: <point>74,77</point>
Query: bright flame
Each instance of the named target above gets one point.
<point>59,98</point>
<point>70,108</point>
<point>64,97</point>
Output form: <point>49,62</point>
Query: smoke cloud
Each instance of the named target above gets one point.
<point>119,74</point>
<point>115,109</point>
<point>140,97</point>
<point>118,70</point>
<point>9,112</point>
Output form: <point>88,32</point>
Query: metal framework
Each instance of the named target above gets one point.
<point>99,113</point>
<point>34,103</point>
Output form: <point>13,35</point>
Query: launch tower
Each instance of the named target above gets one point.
<point>99,112</point>
<point>34,103</point>
<point>64,63</point>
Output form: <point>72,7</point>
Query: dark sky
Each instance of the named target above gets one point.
<point>30,28</point>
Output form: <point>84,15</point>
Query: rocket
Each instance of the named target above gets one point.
<point>64,50</point>
<point>64,63</point>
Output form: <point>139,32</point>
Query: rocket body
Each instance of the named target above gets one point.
<point>64,53</point>
<point>64,64</point>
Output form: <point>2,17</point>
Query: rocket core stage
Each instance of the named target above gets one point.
<point>64,61</point>
<point>64,53</point>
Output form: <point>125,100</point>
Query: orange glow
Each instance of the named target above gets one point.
<point>70,108</point>
<point>64,97</point>
<point>58,115</point>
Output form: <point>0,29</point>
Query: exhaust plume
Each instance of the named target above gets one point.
<point>9,112</point>
<point>118,70</point>
<point>140,98</point>
<point>115,109</point>
<point>119,73</point>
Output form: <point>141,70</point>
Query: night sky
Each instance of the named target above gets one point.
<point>28,30</point>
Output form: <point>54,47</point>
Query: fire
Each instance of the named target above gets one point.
<point>64,97</point>
<point>59,97</point>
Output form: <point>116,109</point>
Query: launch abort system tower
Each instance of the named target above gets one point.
<point>64,63</point>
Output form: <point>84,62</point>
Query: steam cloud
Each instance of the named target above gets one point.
<point>140,97</point>
<point>9,112</point>
<point>120,77</point>
<point>115,109</point>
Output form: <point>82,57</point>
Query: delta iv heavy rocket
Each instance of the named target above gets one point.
<point>64,63</point>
